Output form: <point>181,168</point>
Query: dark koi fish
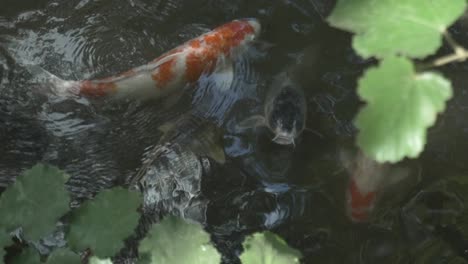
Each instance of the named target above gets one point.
<point>285,106</point>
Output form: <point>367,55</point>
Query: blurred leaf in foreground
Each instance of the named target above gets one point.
<point>35,202</point>
<point>401,105</point>
<point>62,256</point>
<point>5,241</point>
<point>102,223</point>
<point>27,256</point>
<point>387,27</point>
<point>174,241</point>
<point>96,260</point>
<point>268,248</point>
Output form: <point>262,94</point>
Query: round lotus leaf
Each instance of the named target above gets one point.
<point>35,202</point>
<point>103,223</point>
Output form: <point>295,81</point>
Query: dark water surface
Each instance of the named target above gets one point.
<point>296,192</point>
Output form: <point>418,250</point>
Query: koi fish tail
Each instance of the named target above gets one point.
<point>359,203</point>
<point>54,84</point>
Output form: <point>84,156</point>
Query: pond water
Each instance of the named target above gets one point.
<point>297,192</point>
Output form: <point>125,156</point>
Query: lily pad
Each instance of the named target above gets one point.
<point>268,248</point>
<point>64,255</point>
<point>96,260</point>
<point>35,202</point>
<point>102,223</point>
<point>27,256</point>
<point>176,241</point>
<point>5,241</point>
<point>401,105</point>
<point>387,27</point>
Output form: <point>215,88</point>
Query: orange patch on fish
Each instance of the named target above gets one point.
<point>234,33</point>
<point>218,43</point>
<point>164,73</point>
<point>96,89</point>
<point>197,64</point>
<point>196,43</point>
<point>213,40</point>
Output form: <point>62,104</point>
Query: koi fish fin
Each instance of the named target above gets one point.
<point>251,122</point>
<point>166,127</point>
<point>59,87</point>
<point>209,143</point>
<point>167,130</point>
<point>223,75</point>
<point>217,154</point>
<point>207,148</point>
<point>213,151</point>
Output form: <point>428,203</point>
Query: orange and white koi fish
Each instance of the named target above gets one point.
<point>171,71</point>
<point>368,180</point>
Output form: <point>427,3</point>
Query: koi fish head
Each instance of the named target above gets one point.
<point>283,137</point>
<point>234,34</point>
<point>247,29</point>
<point>255,24</point>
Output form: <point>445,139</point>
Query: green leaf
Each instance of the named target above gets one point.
<point>401,105</point>
<point>35,202</point>
<point>268,248</point>
<point>64,255</point>
<point>387,27</point>
<point>5,241</point>
<point>174,241</point>
<point>27,256</point>
<point>96,260</point>
<point>104,222</point>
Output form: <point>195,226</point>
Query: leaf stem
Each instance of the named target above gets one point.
<point>455,46</point>
<point>460,54</point>
<point>455,57</point>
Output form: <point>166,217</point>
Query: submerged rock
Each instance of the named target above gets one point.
<point>172,174</point>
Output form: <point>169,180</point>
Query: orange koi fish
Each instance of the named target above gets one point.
<point>368,180</point>
<point>174,69</point>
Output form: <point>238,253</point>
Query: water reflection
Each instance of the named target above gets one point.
<point>296,192</point>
